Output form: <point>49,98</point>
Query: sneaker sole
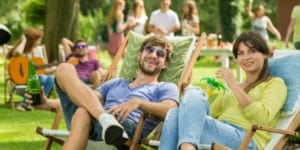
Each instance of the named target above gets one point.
<point>113,135</point>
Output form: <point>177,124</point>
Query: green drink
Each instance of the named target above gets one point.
<point>33,85</point>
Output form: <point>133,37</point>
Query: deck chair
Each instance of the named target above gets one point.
<point>11,87</point>
<point>179,70</point>
<point>283,65</point>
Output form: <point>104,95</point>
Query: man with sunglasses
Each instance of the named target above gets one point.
<point>121,101</point>
<point>88,70</point>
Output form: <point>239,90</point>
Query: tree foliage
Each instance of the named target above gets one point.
<point>228,17</point>
<point>35,12</point>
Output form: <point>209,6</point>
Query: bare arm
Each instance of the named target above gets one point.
<point>121,27</point>
<point>159,109</point>
<point>195,28</point>
<point>20,47</point>
<point>289,31</point>
<point>249,10</point>
<point>174,29</point>
<point>272,29</point>
<point>242,97</point>
<point>46,104</point>
<point>151,28</point>
<point>67,46</point>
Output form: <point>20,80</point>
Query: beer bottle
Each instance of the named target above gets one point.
<point>33,85</point>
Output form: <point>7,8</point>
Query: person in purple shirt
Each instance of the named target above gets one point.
<point>89,70</point>
<point>116,105</point>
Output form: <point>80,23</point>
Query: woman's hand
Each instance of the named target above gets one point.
<point>226,75</point>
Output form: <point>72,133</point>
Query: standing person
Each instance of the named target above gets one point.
<point>26,47</point>
<point>138,17</point>
<point>261,23</point>
<point>294,26</point>
<point>257,100</point>
<point>190,21</point>
<point>164,21</point>
<point>116,26</point>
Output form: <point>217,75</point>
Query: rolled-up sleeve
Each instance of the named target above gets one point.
<point>264,109</point>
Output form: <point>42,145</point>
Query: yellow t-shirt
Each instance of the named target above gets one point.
<point>296,16</point>
<point>269,98</point>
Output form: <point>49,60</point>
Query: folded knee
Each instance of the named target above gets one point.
<point>63,70</point>
<point>193,93</point>
<point>172,114</point>
<point>81,116</point>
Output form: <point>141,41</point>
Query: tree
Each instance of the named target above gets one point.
<point>61,21</point>
<point>228,12</point>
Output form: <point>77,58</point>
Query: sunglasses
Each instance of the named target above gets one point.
<point>159,52</point>
<point>81,46</point>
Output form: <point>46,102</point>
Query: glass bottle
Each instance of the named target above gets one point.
<point>33,85</point>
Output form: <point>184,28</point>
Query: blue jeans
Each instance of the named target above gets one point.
<point>47,81</point>
<point>69,109</point>
<point>191,123</point>
<point>297,45</point>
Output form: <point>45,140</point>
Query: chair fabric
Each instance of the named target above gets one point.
<point>178,58</point>
<point>287,68</point>
<point>285,64</point>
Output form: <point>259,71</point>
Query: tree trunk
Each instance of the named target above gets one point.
<point>61,21</point>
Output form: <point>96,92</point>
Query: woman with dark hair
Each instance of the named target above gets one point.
<point>27,47</point>
<point>190,21</point>
<point>257,100</point>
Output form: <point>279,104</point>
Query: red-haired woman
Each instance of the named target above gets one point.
<point>27,47</point>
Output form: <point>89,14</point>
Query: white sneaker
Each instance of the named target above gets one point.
<point>112,131</point>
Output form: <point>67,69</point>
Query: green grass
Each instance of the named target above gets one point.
<point>17,129</point>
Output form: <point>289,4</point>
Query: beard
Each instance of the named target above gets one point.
<point>147,71</point>
<point>80,54</point>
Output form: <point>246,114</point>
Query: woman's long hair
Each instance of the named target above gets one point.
<point>138,11</point>
<point>32,36</point>
<point>115,12</point>
<point>192,9</point>
<point>255,41</point>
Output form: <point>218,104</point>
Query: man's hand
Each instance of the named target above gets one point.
<point>43,100</point>
<point>161,31</point>
<point>122,111</point>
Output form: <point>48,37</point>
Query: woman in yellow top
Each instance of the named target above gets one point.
<point>258,100</point>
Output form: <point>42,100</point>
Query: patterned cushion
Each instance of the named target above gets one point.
<point>174,70</point>
<point>287,68</point>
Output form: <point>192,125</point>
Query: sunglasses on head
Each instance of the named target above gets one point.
<point>159,52</point>
<point>81,46</point>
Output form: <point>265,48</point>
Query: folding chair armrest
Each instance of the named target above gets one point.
<point>138,132</point>
<point>39,130</point>
<point>281,131</point>
<point>217,146</point>
<point>254,128</point>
